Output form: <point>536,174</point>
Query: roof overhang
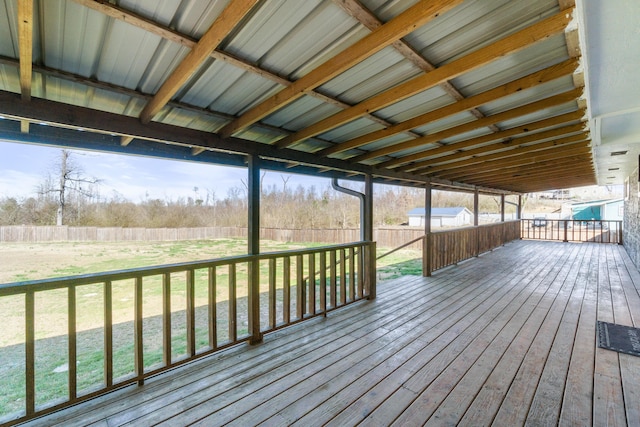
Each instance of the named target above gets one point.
<point>611,57</point>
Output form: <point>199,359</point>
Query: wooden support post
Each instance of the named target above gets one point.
<point>476,219</point>
<point>254,249</point>
<point>427,247</point>
<point>503,238</point>
<point>367,231</point>
<point>519,213</point>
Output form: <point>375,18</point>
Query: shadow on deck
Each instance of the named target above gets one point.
<point>507,338</point>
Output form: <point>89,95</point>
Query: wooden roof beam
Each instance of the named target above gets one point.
<point>508,45</point>
<point>454,161</point>
<point>553,172</point>
<point>527,154</point>
<point>131,18</point>
<point>403,24</point>
<point>548,74</point>
<point>222,26</point>
<point>505,142</point>
<point>503,166</point>
<point>25,46</point>
<point>552,101</point>
<point>507,133</point>
<point>356,9</point>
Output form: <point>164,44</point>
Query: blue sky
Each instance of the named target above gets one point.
<point>23,167</point>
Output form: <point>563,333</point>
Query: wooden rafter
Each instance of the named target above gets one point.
<point>507,138</point>
<point>363,15</point>
<point>534,79</point>
<point>562,167</point>
<point>124,15</point>
<point>463,161</point>
<point>222,26</point>
<point>552,101</point>
<point>25,46</point>
<point>542,168</point>
<point>507,133</point>
<point>400,26</point>
<point>520,159</point>
<point>508,45</point>
<point>552,173</point>
<point>510,157</point>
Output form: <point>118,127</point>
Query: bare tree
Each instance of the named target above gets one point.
<point>70,179</point>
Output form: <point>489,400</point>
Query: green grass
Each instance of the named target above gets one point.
<point>85,258</point>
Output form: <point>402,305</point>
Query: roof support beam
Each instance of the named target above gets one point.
<point>403,24</point>
<point>534,79</point>
<point>552,101</point>
<point>523,129</point>
<point>223,25</point>
<point>453,162</point>
<point>508,45</point>
<point>25,46</point>
<point>131,18</point>
<point>356,9</point>
<point>501,166</point>
<point>505,143</point>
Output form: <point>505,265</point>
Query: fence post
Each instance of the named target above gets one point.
<point>566,235</point>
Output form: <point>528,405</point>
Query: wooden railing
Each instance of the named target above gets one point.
<point>152,319</point>
<point>448,247</point>
<point>567,230</point>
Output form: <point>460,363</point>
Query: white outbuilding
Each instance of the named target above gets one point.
<point>441,217</point>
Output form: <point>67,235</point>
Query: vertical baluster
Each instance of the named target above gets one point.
<point>323,282</point>
<point>352,274</point>
<point>332,278</point>
<point>312,284</point>
<point>300,293</point>
<point>272,293</point>
<point>191,312</point>
<point>72,343</point>
<point>166,319</point>
<point>139,348</point>
<point>286,290</point>
<point>233,330</point>
<point>108,334</point>
<point>213,312</point>
<point>360,285</point>
<point>343,278</point>
<point>30,352</point>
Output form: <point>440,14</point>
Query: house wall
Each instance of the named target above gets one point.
<point>631,221</point>
<point>613,211</point>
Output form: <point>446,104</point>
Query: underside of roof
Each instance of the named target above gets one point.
<point>472,94</point>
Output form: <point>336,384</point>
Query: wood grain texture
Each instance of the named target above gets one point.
<point>505,339</point>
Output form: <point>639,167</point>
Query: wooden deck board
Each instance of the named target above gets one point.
<point>508,338</point>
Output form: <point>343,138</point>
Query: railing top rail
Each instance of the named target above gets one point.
<point>471,227</point>
<point>116,275</point>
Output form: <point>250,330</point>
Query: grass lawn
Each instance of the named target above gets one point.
<point>30,261</point>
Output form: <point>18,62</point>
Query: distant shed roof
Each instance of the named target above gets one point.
<point>452,212</point>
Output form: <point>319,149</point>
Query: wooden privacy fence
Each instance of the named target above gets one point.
<point>222,302</point>
<point>448,247</point>
<point>386,237</point>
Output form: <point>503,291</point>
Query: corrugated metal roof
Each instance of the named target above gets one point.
<point>115,57</point>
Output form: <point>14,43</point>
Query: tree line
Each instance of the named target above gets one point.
<point>67,196</point>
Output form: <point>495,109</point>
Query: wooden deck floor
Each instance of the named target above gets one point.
<point>506,339</point>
